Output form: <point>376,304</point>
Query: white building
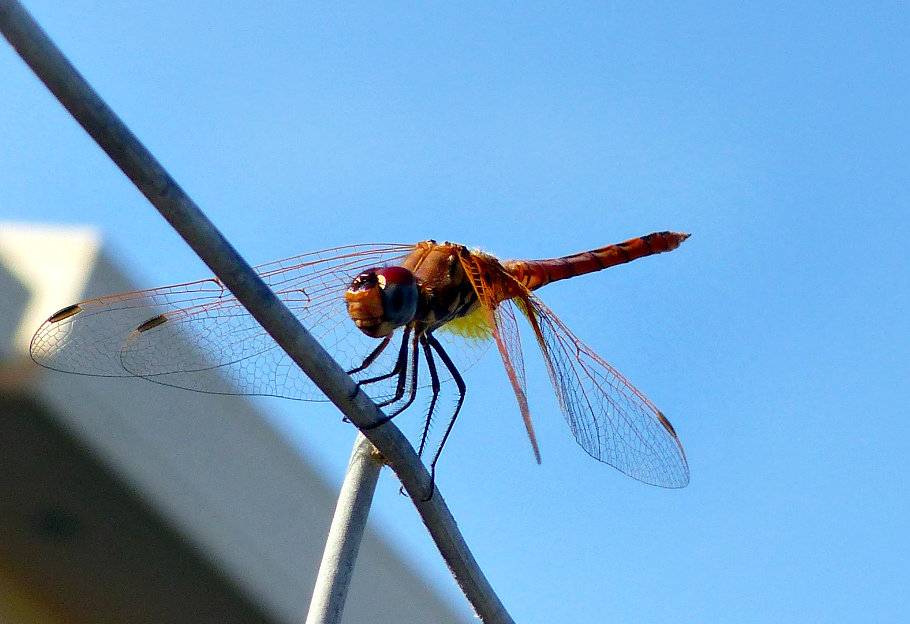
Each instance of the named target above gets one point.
<point>126,501</point>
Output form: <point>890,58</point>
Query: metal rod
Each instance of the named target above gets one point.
<point>348,524</point>
<point>150,177</point>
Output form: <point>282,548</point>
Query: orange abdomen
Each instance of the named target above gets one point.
<point>536,273</point>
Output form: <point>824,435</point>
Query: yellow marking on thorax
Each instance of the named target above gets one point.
<point>474,326</point>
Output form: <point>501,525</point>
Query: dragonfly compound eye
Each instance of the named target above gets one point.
<point>381,300</point>
<point>399,290</point>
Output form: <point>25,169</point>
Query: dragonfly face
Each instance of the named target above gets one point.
<point>382,300</point>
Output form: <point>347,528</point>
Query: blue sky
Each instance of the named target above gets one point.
<point>775,339</point>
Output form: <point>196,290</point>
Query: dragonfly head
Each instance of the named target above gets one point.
<point>382,300</point>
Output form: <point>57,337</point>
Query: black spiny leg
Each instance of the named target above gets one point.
<point>434,381</point>
<point>400,369</point>
<point>373,355</point>
<point>412,392</point>
<point>366,362</point>
<point>462,389</point>
<point>400,363</point>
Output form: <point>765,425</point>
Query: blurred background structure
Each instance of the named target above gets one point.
<point>126,501</point>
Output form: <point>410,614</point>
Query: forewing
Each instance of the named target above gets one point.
<point>198,336</point>
<point>609,417</point>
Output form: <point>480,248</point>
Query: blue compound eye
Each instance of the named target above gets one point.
<point>399,294</point>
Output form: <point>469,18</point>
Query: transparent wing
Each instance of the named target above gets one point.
<point>197,335</point>
<point>609,417</point>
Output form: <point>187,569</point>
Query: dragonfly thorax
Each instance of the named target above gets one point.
<point>382,300</point>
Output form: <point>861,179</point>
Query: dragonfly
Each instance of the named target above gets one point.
<point>400,319</point>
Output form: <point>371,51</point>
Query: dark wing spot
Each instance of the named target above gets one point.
<point>666,424</point>
<point>152,323</point>
<point>65,313</point>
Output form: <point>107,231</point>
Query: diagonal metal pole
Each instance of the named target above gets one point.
<point>150,177</point>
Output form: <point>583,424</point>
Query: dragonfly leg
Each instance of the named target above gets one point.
<point>372,356</point>
<point>366,362</point>
<point>412,392</point>
<point>400,369</point>
<point>375,353</point>
<point>434,381</point>
<point>462,389</point>
<point>400,363</point>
